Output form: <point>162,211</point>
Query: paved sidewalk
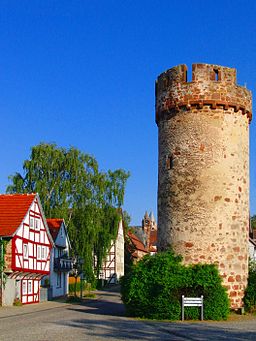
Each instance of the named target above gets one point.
<point>48,305</point>
<point>31,308</point>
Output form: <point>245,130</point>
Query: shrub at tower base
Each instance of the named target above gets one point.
<point>250,292</point>
<point>154,286</point>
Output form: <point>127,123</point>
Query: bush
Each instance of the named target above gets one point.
<point>17,302</point>
<point>72,287</point>
<point>154,286</point>
<point>250,292</point>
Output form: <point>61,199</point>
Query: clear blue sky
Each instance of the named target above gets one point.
<point>82,73</point>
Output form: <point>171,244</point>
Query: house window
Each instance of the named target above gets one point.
<point>43,252</point>
<point>24,287</point>
<point>38,251</point>
<point>37,224</point>
<point>25,251</point>
<point>29,287</point>
<point>31,223</point>
<point>58,280</point>
<point>60,253</point>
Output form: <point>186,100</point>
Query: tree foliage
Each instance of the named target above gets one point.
<point>250,292</point>
<point>253,222</point>
<point>154,286</point>
<point>71,186</point>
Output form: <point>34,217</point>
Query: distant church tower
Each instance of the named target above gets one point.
<point>148,226</point>
<point>203,170</point>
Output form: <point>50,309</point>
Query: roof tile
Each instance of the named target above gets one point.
<point>54,225</point>
<point>13,208</point>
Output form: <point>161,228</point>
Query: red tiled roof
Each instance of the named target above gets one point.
<point>136,242</point>
<point>153,238</point>
<point>54,225</point>
<point>13,208</point>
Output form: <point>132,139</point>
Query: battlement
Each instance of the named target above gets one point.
<point>211,84</point>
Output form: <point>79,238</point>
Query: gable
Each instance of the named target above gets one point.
<point>58,231</point>
<point>62,238</point>
<point>34,227</point>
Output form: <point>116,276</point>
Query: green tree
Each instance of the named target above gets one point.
<point>127,220</point>
<point>71,186</point>
<point>250,292</point>
<point>253,221</point>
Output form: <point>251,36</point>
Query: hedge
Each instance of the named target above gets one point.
<point>154,286</point>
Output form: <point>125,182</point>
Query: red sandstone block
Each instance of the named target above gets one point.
<point>189,244</point>
<point>217,197</point>
<point>231,279</point>
<point>232,294</point>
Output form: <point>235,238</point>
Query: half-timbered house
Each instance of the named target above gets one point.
<point>28,244</point>
<point>113,265</point>
<point>61,263</point>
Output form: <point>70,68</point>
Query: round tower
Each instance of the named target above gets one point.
<point>203,170</point>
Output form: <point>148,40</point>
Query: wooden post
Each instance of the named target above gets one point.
<point>182,307</point>
<point>202,308</point>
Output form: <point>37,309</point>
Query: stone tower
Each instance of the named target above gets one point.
<point>203,170</point>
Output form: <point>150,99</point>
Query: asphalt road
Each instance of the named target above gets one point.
<point>104,319</point>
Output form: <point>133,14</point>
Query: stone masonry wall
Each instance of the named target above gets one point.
<point>203,171</point>
<point>8,256</point>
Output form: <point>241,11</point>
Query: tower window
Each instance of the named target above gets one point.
<point>216,75</point>
<point>170,162</point>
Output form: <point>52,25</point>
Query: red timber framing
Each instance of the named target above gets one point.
<point>31,249</point>
<point>109,265</point>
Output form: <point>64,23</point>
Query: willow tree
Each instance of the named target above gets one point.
<point>71,186</point>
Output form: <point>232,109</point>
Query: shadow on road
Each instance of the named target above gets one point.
<point>124,329</point>
<point>104,318</point>
<point>101,307</point>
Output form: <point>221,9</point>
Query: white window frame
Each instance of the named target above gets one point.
<point>39,252</point>
<point>24,286</point>
<point>37,224</point>
<point>30,287</point>
<point>25,251</point>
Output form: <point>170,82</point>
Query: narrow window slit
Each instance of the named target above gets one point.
<point>170,162</point>
<point>216,75</point>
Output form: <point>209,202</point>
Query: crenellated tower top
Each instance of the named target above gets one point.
<point>211,85</point>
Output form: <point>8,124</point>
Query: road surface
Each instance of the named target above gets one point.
<point>104,319</point>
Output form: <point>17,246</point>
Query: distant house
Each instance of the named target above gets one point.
<point>113,265</point>
<point>252,249</point>
<point>61,263</point>
<point>135,248</point>
<point>24,230</point>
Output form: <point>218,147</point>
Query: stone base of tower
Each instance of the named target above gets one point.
<point>234,282</point>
